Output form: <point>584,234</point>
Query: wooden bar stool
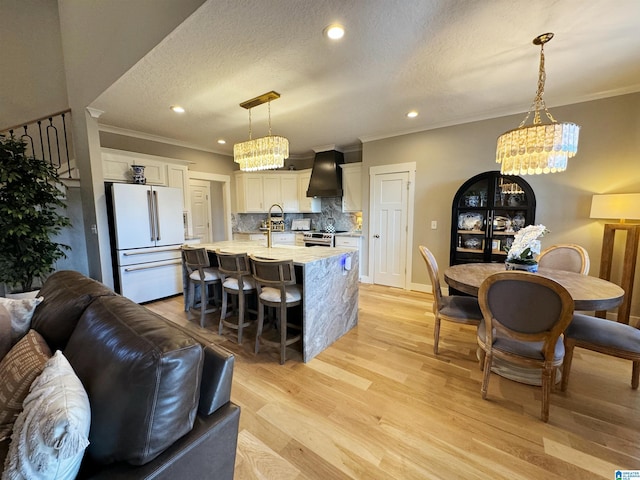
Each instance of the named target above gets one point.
<point>237,281</point>
<point>276,287</point>
<point>202,274</point>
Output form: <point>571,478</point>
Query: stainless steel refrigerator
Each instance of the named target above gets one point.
<point>146,228</point>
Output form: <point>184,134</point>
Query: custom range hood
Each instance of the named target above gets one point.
<point>326,176</point>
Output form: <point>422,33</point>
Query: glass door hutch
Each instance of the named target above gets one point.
<point>487,211</point>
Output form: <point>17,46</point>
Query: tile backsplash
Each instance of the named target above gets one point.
<point>331,207</point>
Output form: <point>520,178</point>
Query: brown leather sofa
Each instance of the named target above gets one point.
<point>160,399</point>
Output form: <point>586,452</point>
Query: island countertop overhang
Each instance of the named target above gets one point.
<point>300,255</point>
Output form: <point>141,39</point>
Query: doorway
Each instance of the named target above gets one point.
<point>210,206</point>
<point>200,195</point>
<point>391,208</point>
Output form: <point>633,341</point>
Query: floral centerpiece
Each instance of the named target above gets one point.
<point>525,248</point>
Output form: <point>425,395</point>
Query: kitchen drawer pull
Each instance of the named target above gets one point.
<point>147,267</point>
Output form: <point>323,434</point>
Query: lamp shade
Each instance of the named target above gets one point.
<point>623,206</point>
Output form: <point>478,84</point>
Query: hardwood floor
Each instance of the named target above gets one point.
<point>378,404</point>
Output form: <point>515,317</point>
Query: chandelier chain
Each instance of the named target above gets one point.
<point>538,103</point>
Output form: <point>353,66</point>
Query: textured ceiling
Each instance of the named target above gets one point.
<point>452,60</point>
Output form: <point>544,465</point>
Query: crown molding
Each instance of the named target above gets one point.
<point>156,138</point>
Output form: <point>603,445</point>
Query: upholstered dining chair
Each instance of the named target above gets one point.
<point>237,281</point>
<point>276,287</point>
<point>201,274</point>
<point>565,256</point>
<point>524,315</point>
<point>452,308</point>
<point>603,336</point>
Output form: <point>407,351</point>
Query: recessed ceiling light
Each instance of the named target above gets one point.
<point>222,141</point>
<point>334,31</point>
<point>177,108</point>
<point>412,114</point>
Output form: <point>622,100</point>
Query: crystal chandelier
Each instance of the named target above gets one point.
<point>538,148</point>
<point>261,153</point>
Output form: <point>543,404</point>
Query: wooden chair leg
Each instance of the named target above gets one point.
<point>240,310</point>
<point>635,375</point>
<point>260,326</point>
<point>485,375</point>
<point>283,332</point>
<point>481,357</point>
<point>192,295</point>
<point>546,392</point>
<point>223,311</point>
<point>436,335</point>
<point>204,300</point>
<point>566,365</point>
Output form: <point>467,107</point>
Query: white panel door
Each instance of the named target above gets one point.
<point>200,211</point>
<point>169,222</point>
<point>133,222</point>
<point>389,229</point>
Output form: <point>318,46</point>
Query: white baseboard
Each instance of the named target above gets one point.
<point>420,287</point>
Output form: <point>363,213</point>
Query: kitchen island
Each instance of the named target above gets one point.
<point>329,279</point>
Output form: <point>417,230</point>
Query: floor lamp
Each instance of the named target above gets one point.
<point>624,206</point>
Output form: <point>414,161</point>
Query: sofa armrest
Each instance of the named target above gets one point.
<point>207,451</point>
<point>217,376</point>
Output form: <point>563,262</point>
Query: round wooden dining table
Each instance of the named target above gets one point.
<point>588,293</point>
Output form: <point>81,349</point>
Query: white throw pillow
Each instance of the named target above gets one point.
<point>21,311</point>
<point>51,433</point>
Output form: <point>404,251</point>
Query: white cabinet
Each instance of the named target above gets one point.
<point>169,172</point>
<point>178,177</point>
<point>272,190</point>
<point>116,166</point>
<point>281,188</point>
<point>251,237</point>
<point>289,190</point>
<point>249,193</point>
<point>351,242</point>
<point>277,238</point>
<point>306,204</point>
<point>280,238</point>
<point>299,239</point>
<point>352,187</point>
<point>256,192</point>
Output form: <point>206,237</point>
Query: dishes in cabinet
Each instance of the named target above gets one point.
<point>470,221</point>
<point>518,221</point>
<point>501,223</point>
<point>472,243</point>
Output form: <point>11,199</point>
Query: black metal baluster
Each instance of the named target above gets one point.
<point>50,128</point>
<point>66,145</point>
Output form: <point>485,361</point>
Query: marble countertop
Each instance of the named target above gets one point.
<point>299,255</point>
<point>341,234</point>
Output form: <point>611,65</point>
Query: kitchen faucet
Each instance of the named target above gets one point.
<point>269,226</point>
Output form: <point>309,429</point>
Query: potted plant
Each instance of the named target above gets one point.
<point>522,254</point>
<point>29,217</point>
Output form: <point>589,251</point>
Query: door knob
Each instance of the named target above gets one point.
<point>376,236</point>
